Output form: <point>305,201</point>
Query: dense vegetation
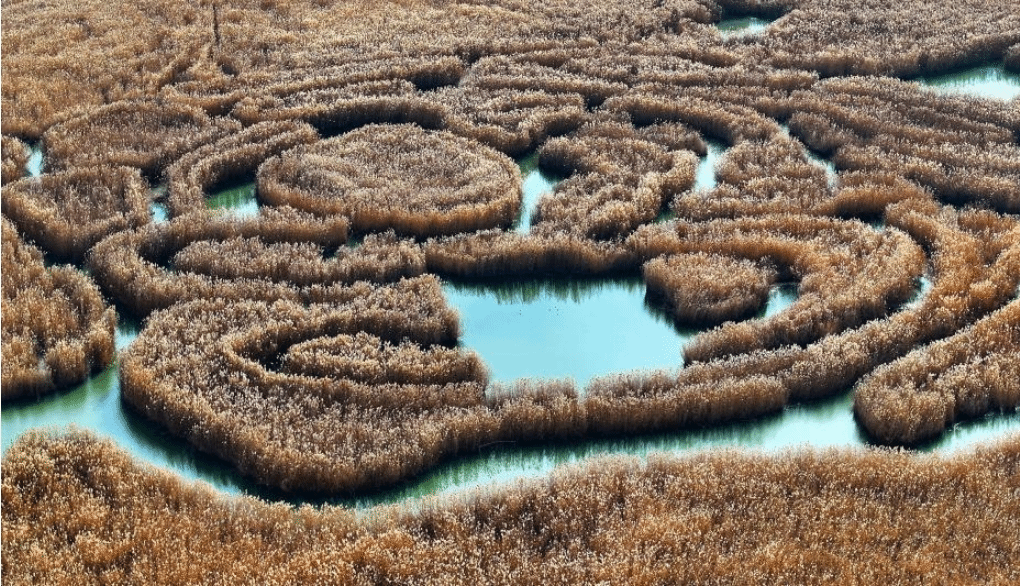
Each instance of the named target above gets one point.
<point>311,347</point>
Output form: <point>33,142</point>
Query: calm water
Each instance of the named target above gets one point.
<point>536,184</point>
<point>747,25</point>
<point>985,81</point>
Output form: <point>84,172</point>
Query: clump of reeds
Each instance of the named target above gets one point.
<point>56,327</point>
<point>708,289</point>
<point>234,156</point>
<point>508,120</point>
<point>397,177</point>
<point>973,372</point>
<point>617,180</point>
<point>828,257</point>
<point>145,134</point>
<point>757,178</point>
<point>963,150</point>
<point>67,212</point>
<point>523,74</point>
<point>14,154</point>
<point>500,254</point>
<point>77,505</point>
<point>134,267</point>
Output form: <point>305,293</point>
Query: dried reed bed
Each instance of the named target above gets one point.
<point>973,372</point>
<point>133,267</point>
<point>202,369</point>
<point>848,273</point>
<point>495,254</point>
<point>758,178</point>
<point>397,177</point>
<point>229,158</point>
<point>963,150</point>
<point>906,39</point>
<point>509,120</point>
<point>524,74</point>
<point>145,134</point>
<point>68,212</point>
<point>708,289</point>
<point>617,180</point>
<point>56,327</point>
<point>77,509</point>
<point>14,156</point>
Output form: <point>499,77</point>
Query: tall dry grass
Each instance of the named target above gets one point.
<point>57,329</point>
<point>68,212</point>
<point>403,178</point>
<point>14,154</point>
<point>234,156</point>
<point>77,506</point>
<point>144,134</point>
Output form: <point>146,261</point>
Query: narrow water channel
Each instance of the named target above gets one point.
<point>984,81</point>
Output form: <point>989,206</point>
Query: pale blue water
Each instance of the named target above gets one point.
<point>984,81</point>
<point>536,183</point>
<point>240,200</point>
<point>746,25</point>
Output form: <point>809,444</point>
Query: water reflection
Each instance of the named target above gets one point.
<point>239,200</point>
<point>35,161</point>
<point>746,25</point>
<point>536,183</point>
<point>986,81</point>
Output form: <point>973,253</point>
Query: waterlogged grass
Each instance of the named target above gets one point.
<point>239,200</point>
<point>986,81</point>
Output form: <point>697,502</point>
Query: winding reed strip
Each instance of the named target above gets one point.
<point>708,289</point>
<point>963,150</point>
<point>235,156</point>
<point>499,254</point>
<point>848,274</point>
<point>758,178</point>
<point>510,121</point>
<point>906,39</point>
<point>133,266</point>
<point>68,212</point>
<point>15,157</point>
<point>403,178</point>
<point>732,123</point>
<point>145,134</point>
<point>509,73</point>
<point>56,327</point>
<point>77,506</point>
<point>618,180</point>
<point>200,369</point>
<point>334,110</point>
<point>973,372</point>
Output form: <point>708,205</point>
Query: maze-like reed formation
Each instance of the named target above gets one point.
<point>310,346</point>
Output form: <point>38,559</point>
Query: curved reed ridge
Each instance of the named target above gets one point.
<point>56,327</point>
<point>400,177</point>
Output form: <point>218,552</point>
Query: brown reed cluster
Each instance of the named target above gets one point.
<point>397,177</point>
<point>973,372</point>
<point>618,179</point>
<point>906,39</point>
<point>230,158</point>
<point>708,289</point>
<point>78,510</point>
<point>147,135</point>
<point>56,327</point>
<point>14,156</point>
<point>963,150</point>
<point>276,255</point>
<point>68,212</point>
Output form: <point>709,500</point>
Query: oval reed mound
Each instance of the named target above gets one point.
<point>68,212</point>
<point>56,327</point>
<point>400,177</point>
<point>707,289</point>
<point>14,154</point>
